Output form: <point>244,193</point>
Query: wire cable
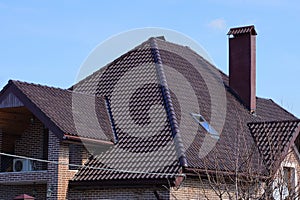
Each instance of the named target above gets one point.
<point>91,167</point>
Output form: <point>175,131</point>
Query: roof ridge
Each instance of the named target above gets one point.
<point>50,87</point>
<point>277,105</point>
<point>101,68</point>
<point>168,102</point>
<point>35,84</point>
<point>160,38</point>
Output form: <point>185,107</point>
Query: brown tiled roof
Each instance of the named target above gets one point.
<point>145,141</point>
<point>274,139</point>
<point>268,110</point>
<point>235,134</point>
<point>59,107</point>
<point>150,103</point>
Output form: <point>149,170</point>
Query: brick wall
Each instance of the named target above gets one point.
<point>118,193</point>
<point>59,174</point>
<point>31,142</point>
<point>12,178</point>
<point>194,188</point>
<point>78,155</point>
<point>0,145</point>
<point>293,160</point>
<point>9,192</point>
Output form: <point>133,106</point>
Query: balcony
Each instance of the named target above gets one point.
<point>22,171</point>
<point>12,164</point>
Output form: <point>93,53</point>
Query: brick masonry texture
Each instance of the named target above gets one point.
<point>59,174</point>
<point>11,191</point>
<point>121,193</point>
<point>0,143</point>
<point>56,177</point>
<point>31,143</point>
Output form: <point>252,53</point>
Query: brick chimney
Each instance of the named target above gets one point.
<point>242,64</point>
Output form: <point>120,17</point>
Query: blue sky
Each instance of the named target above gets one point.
<point>47,41</point>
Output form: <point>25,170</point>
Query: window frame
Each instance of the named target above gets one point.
<point>205,125</point>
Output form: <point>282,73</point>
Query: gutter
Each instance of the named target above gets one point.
<point>121,183</point>
<point>205,172</point>
<point>72,138</point>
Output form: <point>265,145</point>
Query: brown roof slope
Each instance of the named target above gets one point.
<point>135,91</point>
<point>268,110</point>
<point>145,142</point>
<point>274,139</point>
<point>62,106</point>
<point>218,104</point>
<point>211,98</point>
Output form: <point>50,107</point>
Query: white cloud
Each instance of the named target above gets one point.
<point>218,24</point>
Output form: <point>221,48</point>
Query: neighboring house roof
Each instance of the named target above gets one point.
<point>146,98</point>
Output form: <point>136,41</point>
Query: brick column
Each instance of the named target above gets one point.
<point>0,146</point>
<point>59,175</point>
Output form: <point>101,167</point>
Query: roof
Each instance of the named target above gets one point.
<point>158,64</point>
<point>145,141</point>
<point>146,98</point>
<point>58,109</point>
<point>274,139</point>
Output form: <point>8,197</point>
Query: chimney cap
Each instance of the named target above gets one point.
<point>242,30</point>
<point>161,37</point>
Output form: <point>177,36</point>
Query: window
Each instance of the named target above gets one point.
<point>202,122</point>
<point>289,177</point>
<point>284,184</point>
<point>297,143</point>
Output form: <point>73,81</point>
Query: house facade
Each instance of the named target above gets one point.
<point>159,122</point>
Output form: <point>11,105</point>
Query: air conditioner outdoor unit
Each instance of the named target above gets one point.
<point>22,165</point>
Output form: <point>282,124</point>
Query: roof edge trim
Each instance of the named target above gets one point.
<point>122,183</point>
<point>195,171</point>
<point>71,138</point>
